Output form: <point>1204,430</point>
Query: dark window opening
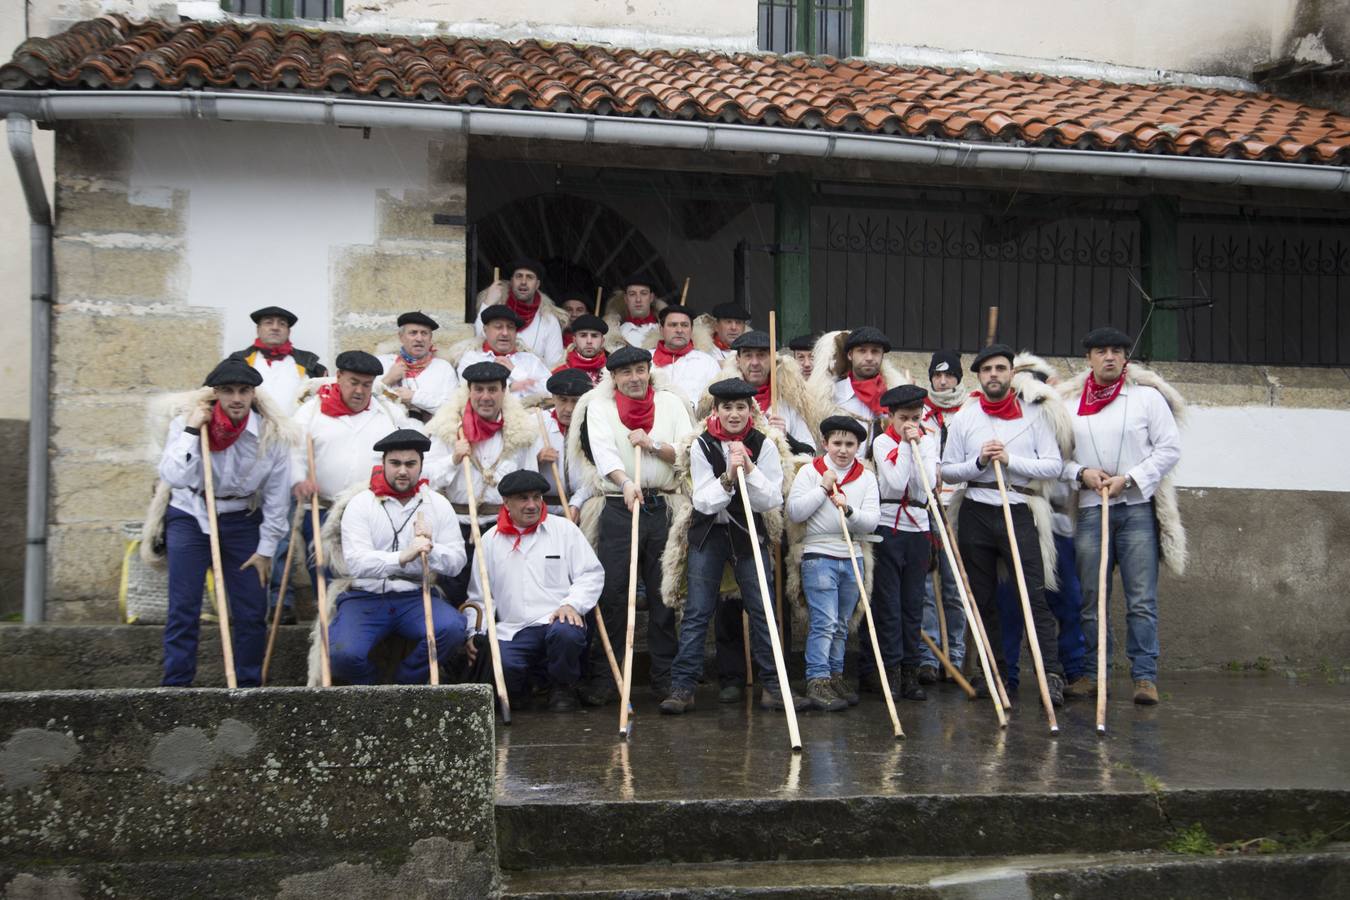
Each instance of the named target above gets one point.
<point>823,27</point>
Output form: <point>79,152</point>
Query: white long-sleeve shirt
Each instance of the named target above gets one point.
<point>375,530</point>
<point>344,446</point>
<point>431,387</point>
<point>807,502</point>
<point>1134,435</point>
<point>848,402</point>
<point>280,380</point>
<point>543,336</point>
<point>238,472</point>
<point>579,490</point>
<point>1033,453</point>
<point>448,476</point>
<point>764,485</point>
<point>691,374</point>
<point>529,376</point>
<point>895,478</point>
<point>553,565</point>
<point>612,451</point>
<point>636,334</point>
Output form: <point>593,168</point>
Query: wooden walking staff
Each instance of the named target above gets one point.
<point>684,293</point>
<point>599,297</point>
<point>784,687</point>
<point>1102,570</point>
<point>947,665</point>
<point>433,664</point>
<point>871,627</point>
<point>632,600</point>
<point>489,609</point>
<point>979,619</point>
<point>982,649</point>
<point>320,582</point>
<point>281,596</point>
<point>222,598</point>
<point>745,645</point>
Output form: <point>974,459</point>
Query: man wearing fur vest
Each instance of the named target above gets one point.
<point>586,352</point>
<point>420,379</point>
<point>567,386</point>
<point>686,368</point>
<point>389,531</point>
<point>792,414</point>
<point>249,463</point>
<point>1126,440</point>
<point>851,373</point>
<point>486,425</point>
<point>729,321</point>
<point>998,425</point>
<point>718,534</point>
<point>630,413</point>
<point>541,322</point>
<point>635,322</point>
<point>281,365</point>
<point>502,345</point>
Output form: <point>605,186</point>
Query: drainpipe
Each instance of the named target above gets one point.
<point>40,346</point>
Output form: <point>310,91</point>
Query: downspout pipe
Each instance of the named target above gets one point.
<point>20,130</point>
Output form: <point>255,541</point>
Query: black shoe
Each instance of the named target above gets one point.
<point>660,688</point>
<point>678,703</point>
<point>1055,683</point>
<point>770,698</point>
<point>599,692</point>
<point>562,698</point>
<point>869,683</point>
<point>981,686</point>
<point>910,689</point>
<point>928,674</point>
<point>731,693</point>
<point>287,615</point>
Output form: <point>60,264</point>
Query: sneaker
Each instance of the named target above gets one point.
<point>1081,687</point>
<point>562,698</point>
<point>842,690</point>
<point>1145,693</point>
<point>822,696</point>
<point>731,693</point>
<point>910,689</point>
<point>928,674</point>
<point>770,698</point>
<point>678,703</point>
<point>1055,684</point>
<point>598,692</point>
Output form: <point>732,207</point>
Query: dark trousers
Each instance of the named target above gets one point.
<point>456,587</point>
<point>542,654</point>
<point>983,539</point>
<point>1066,605</point>
<point>729,638</point>
<point>615,530</point>
<point>189,553</point>
<point>365,618</point>
<point>900,567</point>
<point>307,535</point>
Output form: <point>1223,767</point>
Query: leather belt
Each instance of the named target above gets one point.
<point>993,486</point>
<point>484,509</point>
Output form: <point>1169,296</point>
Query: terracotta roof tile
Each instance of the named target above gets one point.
<point>756,89</point>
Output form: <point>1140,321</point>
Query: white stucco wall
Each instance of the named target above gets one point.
<point>1232,447</point>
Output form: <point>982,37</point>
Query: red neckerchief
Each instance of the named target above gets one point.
<point>414,367</point>
<point>221,432</point>
<point>720,344</point>
<point>636,414</point>
<point>663,356</point>
<point>1096,397</point>
<point>869,391</point>
<point>648,319</point>
<point>273,353</point>
<point>476,428</point>
<point>932,411</point>
<point>562,429</point>
<point>526,311</point>
<point>575,360</point>
<point>487,348</point>
<point>853,474</point>
<point>762,396</point>
<point>1008,408</point>
<point>719,431</point>
<point>380,486</point>
<point>332,404</point>
<point>567,336</point>
<point>506,527</point>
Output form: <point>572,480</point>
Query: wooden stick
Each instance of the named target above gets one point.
<point>871,626</point>
<point>941,613</point>
<point>557,474</point>
<point>684,293</point>
<point>627,691</point>
<point>984,652</point>
<point>992,331</point>
<point>1101,614</point>
<point>320,583</point>
<point>489,609</point>
<point>745,643</point>
<point>773,360</point>
<point>947,664</point>
<point>281,595</point>
<point>496,274</point>
<point>599,298</point>
<point>784,687</point>
<point>433,664</point>
<point>978,622</point>
<point>222,597</point>
<point>1027,617</point>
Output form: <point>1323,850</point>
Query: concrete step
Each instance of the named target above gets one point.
<point>1102,876</point>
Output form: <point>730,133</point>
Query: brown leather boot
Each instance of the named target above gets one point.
<point>1145,693</point>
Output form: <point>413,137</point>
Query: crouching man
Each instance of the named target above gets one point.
<point>544,578</point>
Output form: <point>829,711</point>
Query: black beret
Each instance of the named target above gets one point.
<point>486,371</point>
<point>751,340</point>
<point>588,322</point>
<point>731,311</point>
<point>233,371</point>
<point>526,262</point>
<point>1107,337</point>
<point>417,318</point>
<point>579,296</point>
<point>990,352</point>
<point>403,439</point>
<point>945,361</point>
<point>522,481</point>
<point>569,383</point>
<point>732,389</point>
<point>259,314</point>
<point>627,356</point>
<point>671,309</point>
<point>903,396</point>
<point>501,311</point>
<point>803,342</point>
<point>637,279</point>
<point>867,335</point>
<point>843,423</point>
<point>358,361</point>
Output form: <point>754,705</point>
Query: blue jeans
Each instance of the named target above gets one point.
<point>831,596</point>
<point>901,568</point>
<point>542,653</point>
<point>705,577</point>
<point>955,615</point>
<point>365,618</point>
<point>189,553</point>
<point>1066,606</point>
<point>1133,545</point>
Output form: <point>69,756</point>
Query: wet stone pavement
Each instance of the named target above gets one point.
<point>1212,731</point>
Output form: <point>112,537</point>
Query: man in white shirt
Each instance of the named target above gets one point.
<point>730,321</point>
<point>860,378</point>
<point>999,426</point>
<point>638,324</point>
<point>688,370</point>
<point>540,330</point>
<point>545,579</point>
<point>586,352</point>
<point>251,469</point>
<point>1127,441</point>
<point>280,364</point>
<point>390,531</point>
<point>567,387</point>
<point>415,375</point>
<point>528,373</point>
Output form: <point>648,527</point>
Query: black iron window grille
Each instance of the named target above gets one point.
<point>818,27</point>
